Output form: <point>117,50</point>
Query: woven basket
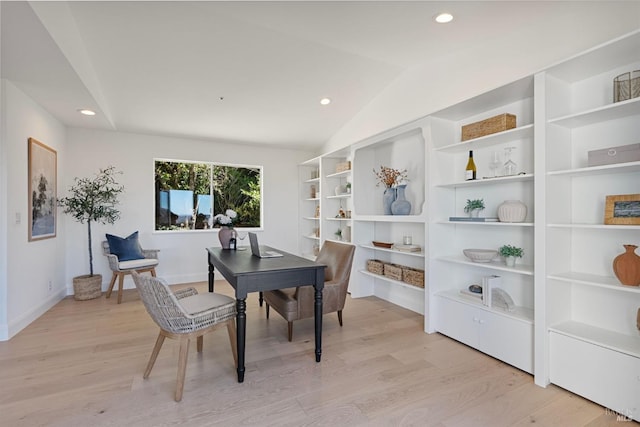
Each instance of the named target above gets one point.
<point>413,276</point>
<point>87,287</point>
<point>375,266</point>
<point>393,271</point>
<point>488,126</point>
<point>343,166</point>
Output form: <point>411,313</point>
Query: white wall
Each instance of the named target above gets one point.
<point>183,255</point>
<point>24,293</point>
<point>466,73</point>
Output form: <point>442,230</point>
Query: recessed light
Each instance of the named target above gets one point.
<point>325,101</point>
<point>443,18</point>
<point>87,112</point>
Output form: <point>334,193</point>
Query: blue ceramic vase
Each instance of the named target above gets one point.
<point>401,206</point>
<point>388,198</point>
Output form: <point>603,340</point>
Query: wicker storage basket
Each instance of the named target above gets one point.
<point>413,276</point>
<point>488,126</point>
<point>87,287</point>
<point>393,271</point>
<point>375,266</point>
<point>343,166</point>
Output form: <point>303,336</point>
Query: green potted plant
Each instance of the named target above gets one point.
<point>92,200</point>
<point>474,206</point>
<point>338,234</point>
<point>510,253</point>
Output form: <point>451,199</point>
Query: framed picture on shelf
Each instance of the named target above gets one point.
<point>623,209</point>
<point>42,191</point>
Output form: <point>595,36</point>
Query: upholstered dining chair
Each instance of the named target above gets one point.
<point>298,303</point>
<point>126,256</point>
<point>183,315</point>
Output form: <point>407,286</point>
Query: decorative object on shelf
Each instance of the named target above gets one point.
<point>343,166</point>
<point>346,234</point>
<point>375,266</point>
<point>385,245</point>
<point>512,211</point>
<point>347,188</point>
<point>626,266</point>
<point>488,284</point>
<point>480,255</point>
<point>622,209</point>
<point>340,189</point>
<point>317,214</point>
<point>510,253</point>
<point>400,206</point>
<point>393,271</point>
<point>341,213</point>
<point>390,178</point>
<point>407,248</point>
<point>225,222</point>
<point>470,172</point>
<point>312,192</point>
<point>488,126</point>
<point>407,240</point>
<point>473,207</point>
<point>315,174</point>
<point>338,234</point>
<point>501,299</point>
<point>472,219</point>
<point>348,213</point>
<point>413,276</point>
<point>626,86</point>
<point>613,155</point>
<point>509,165</point>
<point>495,163</point>
<point>388,197</point>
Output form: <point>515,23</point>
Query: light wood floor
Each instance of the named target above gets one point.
<point>81,364</point>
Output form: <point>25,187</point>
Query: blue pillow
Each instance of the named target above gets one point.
<point>125,249</point>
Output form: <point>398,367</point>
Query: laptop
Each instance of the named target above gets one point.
<point>255,248</point>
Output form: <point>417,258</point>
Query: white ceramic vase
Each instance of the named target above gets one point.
<point>512,211</point>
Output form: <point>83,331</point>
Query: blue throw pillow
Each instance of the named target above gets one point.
<point>125,249</point>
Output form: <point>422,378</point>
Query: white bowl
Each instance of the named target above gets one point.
<point>480,255</point>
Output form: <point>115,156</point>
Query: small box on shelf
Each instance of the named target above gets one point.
<point>343,166</point>
<point>488,126</point>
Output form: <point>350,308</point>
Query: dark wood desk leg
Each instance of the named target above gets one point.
<point>241,329</point>
<point>210,277</point>
<point>260,299</point>
<point>318,318</point>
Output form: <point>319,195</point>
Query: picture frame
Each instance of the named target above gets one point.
<point>622,209</point>
<point>43,177</point>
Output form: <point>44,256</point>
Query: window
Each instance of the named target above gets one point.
<point>189,194</point>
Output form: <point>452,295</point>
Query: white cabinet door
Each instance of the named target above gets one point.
<point>607,377</point>
<point>457,321</point>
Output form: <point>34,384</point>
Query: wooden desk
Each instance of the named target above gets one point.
<point>247,273</point>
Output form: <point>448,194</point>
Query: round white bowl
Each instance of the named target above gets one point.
<point>480,255</point>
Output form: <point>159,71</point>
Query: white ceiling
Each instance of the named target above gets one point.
<point>245,71</point>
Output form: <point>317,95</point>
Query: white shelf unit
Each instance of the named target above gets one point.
<point>309,208</point>
<point>487,329</point>
<point>590,317</point>
<point>401,148</point>
<point>336,198</point>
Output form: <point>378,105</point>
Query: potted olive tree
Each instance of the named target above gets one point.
<point>92,200</point>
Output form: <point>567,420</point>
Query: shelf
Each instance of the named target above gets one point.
<point>339,174</point>
<point>311,237</point>
<point>594,226</point>
<point>339,241</point>
<point>489,181</point>
<point>314,199</point>
<point>489,224</point>
<point>523,269</point>
<point>598,170</point>
<point>395,282</point>
<point>489,140</point>
<point>390,218</point>
<point>522,314</point>
<point>607,282</point>
<point>337,219</point>
<point>596,115</point>
<point>340,196</point>
<point>312,180</point>
<point>395,251</point>
<point>312,218</point>
<point>627,344</point>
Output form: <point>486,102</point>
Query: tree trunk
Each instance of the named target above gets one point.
<point>90,249</point>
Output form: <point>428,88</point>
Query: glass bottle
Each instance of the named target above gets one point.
<point>509,165</point>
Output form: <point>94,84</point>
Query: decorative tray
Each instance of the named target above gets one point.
<point>407,248</point>
<point>382,244</point>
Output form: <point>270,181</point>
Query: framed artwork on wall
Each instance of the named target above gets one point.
<point>43,175</point>
<point>622,209</point>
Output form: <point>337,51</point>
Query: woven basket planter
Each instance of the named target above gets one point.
<point>393,271</point>
<point>87,287</point>
<point>375,266</point>
<point>413,276</point>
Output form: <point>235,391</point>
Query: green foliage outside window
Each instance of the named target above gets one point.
<point>189,194</point>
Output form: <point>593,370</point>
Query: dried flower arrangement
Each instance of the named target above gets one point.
<point>390,177</point>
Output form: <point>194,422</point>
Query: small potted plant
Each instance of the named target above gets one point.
<point>473,207</point>
<point>338,234</point>
<point>510,253</point>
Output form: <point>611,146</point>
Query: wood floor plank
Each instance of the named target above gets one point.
<point>81,364</point>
